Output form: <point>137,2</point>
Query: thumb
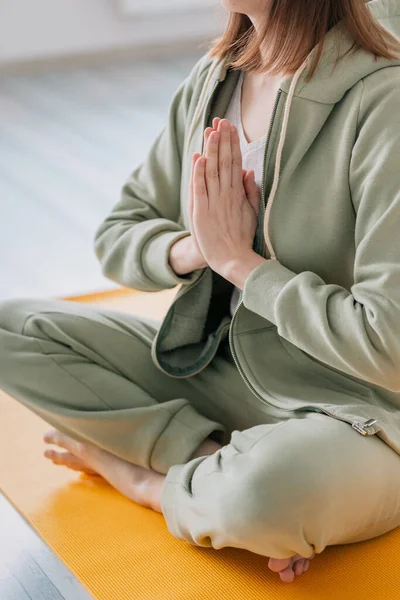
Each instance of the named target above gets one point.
<point>190,207</point>
<point>195,157</point>
<point>251,189</point>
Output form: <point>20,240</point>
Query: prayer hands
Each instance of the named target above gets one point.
<point>224,199</point>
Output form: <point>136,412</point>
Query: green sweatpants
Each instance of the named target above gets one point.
<point>284,482</point>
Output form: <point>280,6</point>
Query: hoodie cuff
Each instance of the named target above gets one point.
<point>155,260</point>
<point>182,436</point>
<point>262,287</point>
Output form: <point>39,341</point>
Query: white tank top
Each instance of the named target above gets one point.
<point>252,153</point>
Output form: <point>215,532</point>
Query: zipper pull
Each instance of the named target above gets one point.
<point>360,427</point>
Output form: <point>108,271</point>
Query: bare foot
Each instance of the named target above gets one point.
<point>132,481</point>
<point>143,486</point>
<point>289,568</point>
<point>71,458</point>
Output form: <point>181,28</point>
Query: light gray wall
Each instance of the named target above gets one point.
<point>43,29</point>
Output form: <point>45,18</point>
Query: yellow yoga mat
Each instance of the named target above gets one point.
<point>122,551</point>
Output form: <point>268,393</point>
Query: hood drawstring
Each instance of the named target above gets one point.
<point>280,146</point>
<point>279,156</point>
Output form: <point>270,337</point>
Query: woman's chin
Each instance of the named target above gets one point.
<point>244,7</point>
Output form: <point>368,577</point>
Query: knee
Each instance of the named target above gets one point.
<point>14,313</point>
<point>275,507</point>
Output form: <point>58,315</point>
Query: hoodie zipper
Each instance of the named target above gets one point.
<point>262,204</point>
<point>356,425</point>
<point>263,174</point>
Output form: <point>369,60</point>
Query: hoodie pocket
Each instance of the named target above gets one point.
<point>347,382</point>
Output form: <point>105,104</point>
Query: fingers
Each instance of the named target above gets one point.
<point>209,130</point>
<point>207,133</point>
<point>212,167</point>
<point>199,183</point>
<point>252,191</point>
<point>236,158</point>
<point>195,157</point>
<point>225,155</point>
<point>212,163</point>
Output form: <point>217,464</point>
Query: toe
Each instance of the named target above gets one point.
<point>66,459</point>
<point>61,458</point>
<point>57,438</point>
<point>287,575</point>
<point>50,436</point>
<point>298,567</point>
<point>289,568</point>
<point>63,441</point>
<point>279,564</point>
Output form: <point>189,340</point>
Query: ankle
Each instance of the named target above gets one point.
<point>206,448</point>
<point>149,491</point>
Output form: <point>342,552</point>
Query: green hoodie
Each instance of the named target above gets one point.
<point>318,325</point>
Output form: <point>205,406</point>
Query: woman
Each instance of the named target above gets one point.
<point>264,411</point>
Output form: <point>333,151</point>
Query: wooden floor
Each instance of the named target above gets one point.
<point>68,141</point>
<point>29,570</point>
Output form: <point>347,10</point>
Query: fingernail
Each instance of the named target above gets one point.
<point>233,129</point>
<point>215,136</point>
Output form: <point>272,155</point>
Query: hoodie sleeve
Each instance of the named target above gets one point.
<point>356,331</point>
<point>133,242</point>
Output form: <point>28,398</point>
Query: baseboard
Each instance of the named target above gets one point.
<point>146,51</point>
<point>146,7</point>
<point>106,294</point>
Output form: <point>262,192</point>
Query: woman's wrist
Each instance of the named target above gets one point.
<point>184,258</point>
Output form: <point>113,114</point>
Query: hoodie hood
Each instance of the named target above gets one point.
<point>328,84</point>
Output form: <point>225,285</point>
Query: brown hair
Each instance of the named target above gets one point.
<point>293,28</point>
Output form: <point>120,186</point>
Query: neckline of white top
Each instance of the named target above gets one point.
<point>247,146</point>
